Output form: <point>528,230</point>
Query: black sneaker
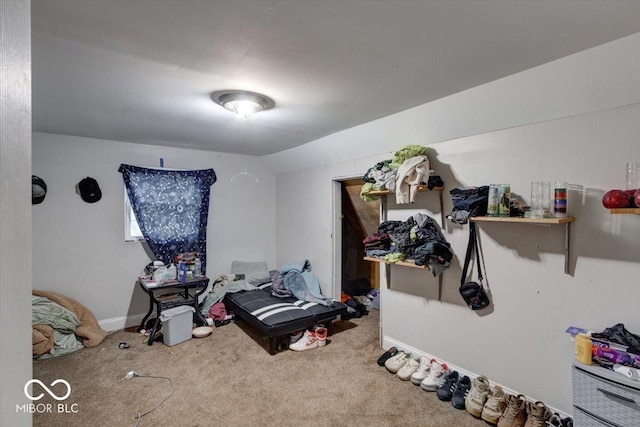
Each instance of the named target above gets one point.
<point>386,355</point>
<point>445,391</point>
<point>557,421</point>
<point>460,391</point>
<point>554,421</point>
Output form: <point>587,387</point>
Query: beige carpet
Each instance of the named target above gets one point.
<point>229,379</point>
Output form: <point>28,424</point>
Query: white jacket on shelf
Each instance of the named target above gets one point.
<point>411,173</point>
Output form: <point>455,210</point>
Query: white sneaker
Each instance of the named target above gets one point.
<point>423,370</point>
<point>393,364</point>
<point>437,376</point>
<point>307,342</point>
<point>408,369</point>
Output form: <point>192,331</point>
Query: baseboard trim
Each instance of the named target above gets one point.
<point>118,323</point>
<point>390,342</point>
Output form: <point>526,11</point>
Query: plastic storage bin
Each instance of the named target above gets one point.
<point>177,324</point>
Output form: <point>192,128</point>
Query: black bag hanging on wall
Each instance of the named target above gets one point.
<point>472,292</point>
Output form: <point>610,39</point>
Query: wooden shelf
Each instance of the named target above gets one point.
<point>539,221</point>
<point>401,263</point>
<point>387,192</point>
<point>625,211</point>
<point>564,220</point>
<point>383,218</point>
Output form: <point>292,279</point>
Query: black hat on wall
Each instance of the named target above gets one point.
<point>38,190</point>
<point>89,190</point>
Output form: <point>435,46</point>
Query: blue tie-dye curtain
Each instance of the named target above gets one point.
<point>171,207</point>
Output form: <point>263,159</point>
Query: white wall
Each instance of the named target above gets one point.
<point>576,119</point>
<point>15,210</point>
<point>606,76</point>
<point>79,248</point>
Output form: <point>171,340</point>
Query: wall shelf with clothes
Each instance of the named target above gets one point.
<point>383,218</point>
<point>537,221</point>
<point>420,189</point>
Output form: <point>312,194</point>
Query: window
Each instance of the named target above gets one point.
<point>132,231</point>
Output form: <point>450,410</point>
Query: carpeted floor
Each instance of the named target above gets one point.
<point>229,379</point>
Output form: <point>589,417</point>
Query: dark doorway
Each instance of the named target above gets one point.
<point>359,219</point>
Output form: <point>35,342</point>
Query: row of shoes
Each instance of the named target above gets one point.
<point>309,339</point>
<point>481,400</point>
<point>493,405</point>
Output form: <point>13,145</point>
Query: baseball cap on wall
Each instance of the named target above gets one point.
<point>38,190</point>
<point>89,190</point>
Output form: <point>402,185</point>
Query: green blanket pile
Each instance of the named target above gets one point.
<point>62,321</point>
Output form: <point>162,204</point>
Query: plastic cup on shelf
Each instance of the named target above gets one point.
<point>632,176</point>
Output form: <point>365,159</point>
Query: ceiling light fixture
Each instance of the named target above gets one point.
<point>243,103</point>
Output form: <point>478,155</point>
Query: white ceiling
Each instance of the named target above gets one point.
<point>143,71</point>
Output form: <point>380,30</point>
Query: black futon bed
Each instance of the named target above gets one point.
<point>276,317</point>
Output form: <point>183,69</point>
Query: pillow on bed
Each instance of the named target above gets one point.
<point>255,273</point>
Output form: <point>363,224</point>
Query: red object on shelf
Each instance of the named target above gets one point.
<point>617,199</point>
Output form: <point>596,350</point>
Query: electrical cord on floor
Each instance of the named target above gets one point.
<point>173,389</point>
<point>132,374</point>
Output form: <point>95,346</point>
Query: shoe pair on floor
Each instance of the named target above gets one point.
<point>484,402</point>
<point>425,372</point>
<point>428,373</point>
<point>310,339</point>
<point>431,374</point>
<point>520,413</point>
<point>454,389</point>
<point>557,421</point>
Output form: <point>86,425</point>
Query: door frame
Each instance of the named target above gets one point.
<point>336,215</point>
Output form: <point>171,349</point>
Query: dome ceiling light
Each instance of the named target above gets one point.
<point>241,102</point>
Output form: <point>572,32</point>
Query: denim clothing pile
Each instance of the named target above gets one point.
<point>418,238</point>
<point>468,201</point>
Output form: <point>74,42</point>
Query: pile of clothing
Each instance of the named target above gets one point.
<point>299,281</point>
<point>359,296</point>
<point>401,175</point>
<point>418,238</point>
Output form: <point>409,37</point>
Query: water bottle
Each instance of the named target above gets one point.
<point>182,272</point>
<point>197,269</point>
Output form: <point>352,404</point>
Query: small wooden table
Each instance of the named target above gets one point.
<point>162,300</point>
